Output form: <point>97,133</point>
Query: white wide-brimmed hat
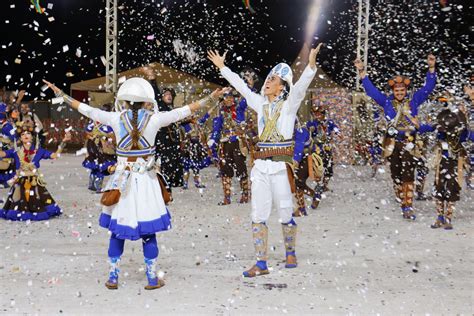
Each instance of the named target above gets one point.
<point>135,90</point>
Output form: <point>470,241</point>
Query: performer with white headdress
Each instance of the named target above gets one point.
<point>276,108</point>
<point>134,206</point>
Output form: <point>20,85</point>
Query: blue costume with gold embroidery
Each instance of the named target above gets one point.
<point>8,137</point>
<point>28,198</point>
<point>400,140</point>
<point>227,138</point>
<point>100,154</point>
<point>195,154</point>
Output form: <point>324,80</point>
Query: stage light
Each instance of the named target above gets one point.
<point>315,10</point>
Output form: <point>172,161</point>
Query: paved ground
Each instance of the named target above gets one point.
<point>356,255</point>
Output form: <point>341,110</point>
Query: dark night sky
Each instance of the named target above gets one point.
<point>274,33</point>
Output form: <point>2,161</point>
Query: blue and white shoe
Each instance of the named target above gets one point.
<point>408,213</point>
<point>153,281</point>
<point>112,282</point>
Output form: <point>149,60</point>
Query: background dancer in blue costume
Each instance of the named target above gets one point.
<point>401,111</point>
<point>451,155</point>
<point>195,151</point>
<point>313,157</point>
<point>8,137</point>
<point>100,153</point>
<point>228,136</point>
<point>302,152</point>
<point>28,198</point>
<point>322,131</point>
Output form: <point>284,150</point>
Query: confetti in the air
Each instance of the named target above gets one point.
<point>37,6</point>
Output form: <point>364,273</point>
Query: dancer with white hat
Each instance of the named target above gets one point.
<point>134,205</point>
<point>276,108</point>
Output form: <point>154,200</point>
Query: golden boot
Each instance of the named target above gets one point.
<point>244,188</point>
<point>407,200</point>
<point>260,241</point>
<point>440,220</point>
<point>301,206</point>
<point>289,238</point>
<point>226,186</point>
<point>449,215</point>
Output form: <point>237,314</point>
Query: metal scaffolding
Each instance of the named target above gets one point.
<point>111,40</point>
<point>362,35</point>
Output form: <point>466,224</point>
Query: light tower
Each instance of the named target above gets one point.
<point>111,40</point>
<point>362,35</point>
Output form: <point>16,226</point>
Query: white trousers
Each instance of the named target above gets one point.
<point>271,190</point>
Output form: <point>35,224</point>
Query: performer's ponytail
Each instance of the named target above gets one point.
<point>135,106</point>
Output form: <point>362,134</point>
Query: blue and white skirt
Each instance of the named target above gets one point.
<point>140,210</point>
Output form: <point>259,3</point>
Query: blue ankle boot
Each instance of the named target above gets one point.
<point>153,281</point>
<point>112,282</point>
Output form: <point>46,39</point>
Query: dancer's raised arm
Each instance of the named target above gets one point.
<point>59,93</point>
<point>95,114</point>
<point>422,94</point>
<point>298,91</point>
<point>369,87</point>
<point>253,99</point>
<point>166,118</point>
<point>105,117</point>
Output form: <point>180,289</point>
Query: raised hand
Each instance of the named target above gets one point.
<point>216,94</point>
<point>360,67</point>
<point>358,64</point>
<point>469,92</point>
<point>217,60</point>
<point>50,85</point>
<point>20,96</point>
<point>67,99</point>
<point>220,92</point>
<point>313,54</point>
<point>431,60</point>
